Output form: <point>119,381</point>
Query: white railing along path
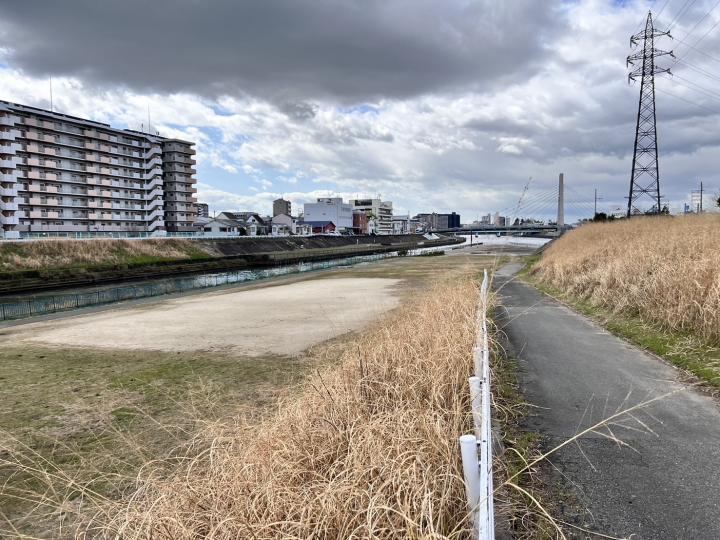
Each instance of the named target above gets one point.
<point>476,449</point>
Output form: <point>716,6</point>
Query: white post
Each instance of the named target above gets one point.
<point>476,404</point>
<point>471,473</point>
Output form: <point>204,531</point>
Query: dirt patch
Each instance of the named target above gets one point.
<point>284,319</point>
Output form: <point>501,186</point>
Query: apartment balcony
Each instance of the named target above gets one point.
<point>9,192</point>
<point>35,214</point>
<point>9,163</point>
<point>9,177</point>
<point>35,201</point>
<point>10,148</point>
<point>9,135</point>
<point>11,206</point>
<point>10,220</point>
<point>9,120</point>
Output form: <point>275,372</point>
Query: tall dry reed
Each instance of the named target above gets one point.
<point>665,270</point>
<point>42,254</point>
<point>366,449</point>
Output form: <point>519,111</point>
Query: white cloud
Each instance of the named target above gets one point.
<point>464,149</point>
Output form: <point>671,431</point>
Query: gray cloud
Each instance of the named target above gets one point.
<point>348,50</point>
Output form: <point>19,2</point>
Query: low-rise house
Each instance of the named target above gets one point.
<point>321,227</point>
<point>252,222</point>
<point>220,227</point>
<point>284,225</point>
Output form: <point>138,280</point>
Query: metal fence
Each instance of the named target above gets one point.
<point>476,449</point>
<point>43,305</point>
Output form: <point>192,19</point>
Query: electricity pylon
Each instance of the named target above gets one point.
<point>645,177</point>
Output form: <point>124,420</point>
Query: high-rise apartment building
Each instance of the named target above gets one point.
<point>281,206</point>
<point>59,173</point>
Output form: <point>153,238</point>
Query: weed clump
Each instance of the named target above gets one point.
<point>664,270</point>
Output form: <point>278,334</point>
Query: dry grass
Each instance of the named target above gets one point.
<point>367,449</point>
<point>44,254</point>
<point>664,270</point>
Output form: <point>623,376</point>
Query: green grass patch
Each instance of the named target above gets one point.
<point>98,415</point>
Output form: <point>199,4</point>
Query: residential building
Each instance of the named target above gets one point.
<point>60,173</point>
<point>379,214</point>
<point>486,219</point>
<point>402,224</point>
<point>281,206</point>
<point>498,220</point>
<point>284,225</point>
<point>203,210</point>
<point>330,209</point>
<point>253,223</point>
<point>321,227</point>
<point>219,227</point>
<point>360,222</point>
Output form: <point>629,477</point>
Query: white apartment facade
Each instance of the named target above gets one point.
<point>380,214</point>
<point>59,173</point>
<point>330,209</point>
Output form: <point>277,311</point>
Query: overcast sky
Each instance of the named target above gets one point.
<point>445,105</point>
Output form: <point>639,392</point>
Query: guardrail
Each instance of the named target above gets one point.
<point>476,449</point>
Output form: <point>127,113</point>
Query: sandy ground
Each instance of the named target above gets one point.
<point>284,319</point>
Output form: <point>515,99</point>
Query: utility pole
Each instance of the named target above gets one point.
<point>701,194</point>
<point>596,200</point>
<point>699,206</point>
<point>561,202</point>
<point>645,176</point>
<point>595,212</point>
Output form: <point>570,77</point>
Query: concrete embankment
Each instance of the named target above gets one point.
<point>226,254</point>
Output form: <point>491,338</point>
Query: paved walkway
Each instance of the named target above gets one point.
<point>668,484</point>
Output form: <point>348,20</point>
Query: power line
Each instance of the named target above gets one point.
<point>700,70</point>
<point>687,101</point>
<point>698,23</point>
<point>709,93</point>
<point>680,13</point>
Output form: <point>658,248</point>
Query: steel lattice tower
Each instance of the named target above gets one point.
<point>645,177</point>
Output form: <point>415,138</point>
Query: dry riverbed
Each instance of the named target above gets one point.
<point>282,319</point>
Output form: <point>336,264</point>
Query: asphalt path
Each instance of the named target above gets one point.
<point>663,479</point>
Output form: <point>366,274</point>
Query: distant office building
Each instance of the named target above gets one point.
<point>498,220</point>
<point>379,214</point>
<point>360,222</point>
<point>330,209</point>
<point>486,219</point>
<point>203,210</point>
<point>437,221</point>
<point>60,173</point>
<point>401,224</point>
<point>281,206</point>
